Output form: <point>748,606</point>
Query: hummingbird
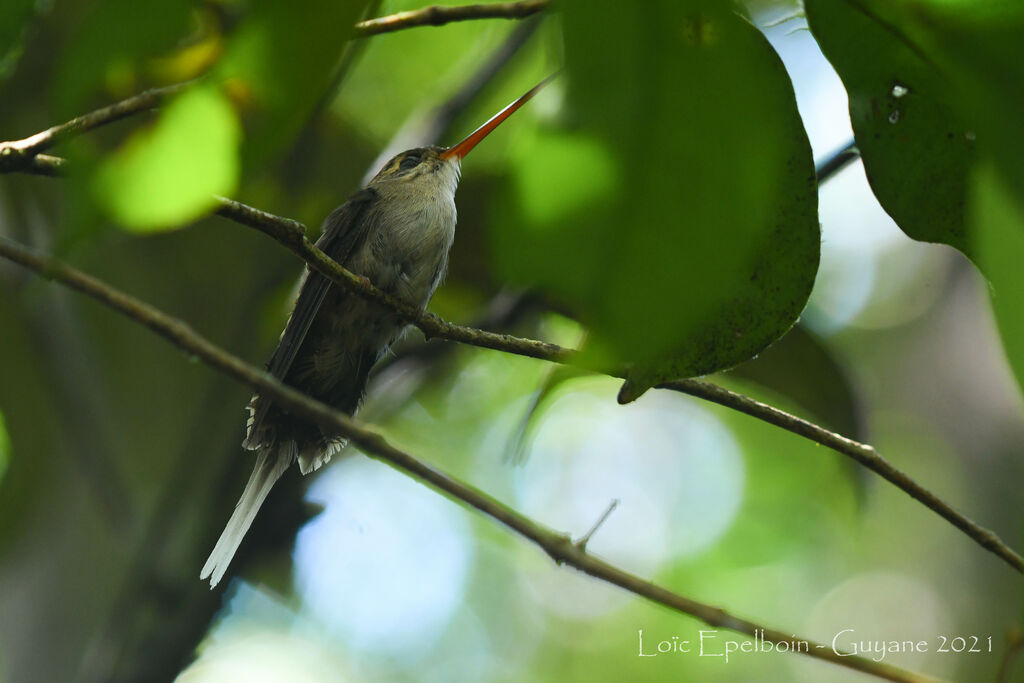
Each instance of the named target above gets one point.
<point>397,232</point>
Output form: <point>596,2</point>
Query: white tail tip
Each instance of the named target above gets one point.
<point>266,473</point>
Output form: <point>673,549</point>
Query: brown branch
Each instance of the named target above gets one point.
<point>836,162</point>
<point>16,153</point>
<point>438,16</point>
<point>585,539</point>
<point>558,546</point>
<point>41,164</point>
<point>292,235</point>
<point>863,454</point>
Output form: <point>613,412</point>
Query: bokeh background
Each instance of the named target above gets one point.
<point>119,457</point>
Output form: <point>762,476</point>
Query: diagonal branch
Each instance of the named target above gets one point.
<point>292,235</point>
<point>438,16</point>
<point>558,546</point>
<point>836,162</point>
<point>15,154</point>
<point>863,454</point>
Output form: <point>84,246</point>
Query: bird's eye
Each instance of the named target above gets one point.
<point>410,161</point>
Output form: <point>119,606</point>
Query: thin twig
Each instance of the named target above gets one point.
<point>862,453</point>
<point>41,164</point>
<point>15,153</point>
<point>558,546</point>
<point>438,16</point>
<point>292,235</point>
<point>837,162</point>
<point>585,539</point>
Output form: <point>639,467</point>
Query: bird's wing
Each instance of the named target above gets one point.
<point>343,232</point>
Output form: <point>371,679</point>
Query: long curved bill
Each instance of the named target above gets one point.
<point>461,149</point>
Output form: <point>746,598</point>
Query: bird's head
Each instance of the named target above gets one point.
<point>415,163</point>
<point>426,163</point>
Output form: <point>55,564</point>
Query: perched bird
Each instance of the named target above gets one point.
<point>397,232</point>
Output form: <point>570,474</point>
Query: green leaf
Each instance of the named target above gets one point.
<point>167,175</point>
<point>978,44</point>
<point>915,146</point>
<point>998,222</point>
<point>623,218</point>
<point>109,41</point>
<point>279,63</point>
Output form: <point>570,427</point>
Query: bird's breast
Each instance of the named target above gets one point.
<point>407,253</point>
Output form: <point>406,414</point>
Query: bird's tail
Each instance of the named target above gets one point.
<point>271,463</point>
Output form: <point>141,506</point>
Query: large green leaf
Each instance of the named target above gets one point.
<point>980,45</point>
<point>916,148</point>
<point>680,217</point>
<point>167,175</point>
<point>977,47</point>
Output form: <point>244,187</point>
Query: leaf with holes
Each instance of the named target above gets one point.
<point>916,147</point>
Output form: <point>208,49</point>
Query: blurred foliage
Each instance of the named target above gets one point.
<point>5,447</point>
<point>278,64</point>
<point>168,175</point>
<point>14,17</point>
<point>823,389</point>
<point>385,91</point>
<point>659,196</point>
<point>999,221</point>
<point>107,44</point>
<point>516,450</point>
